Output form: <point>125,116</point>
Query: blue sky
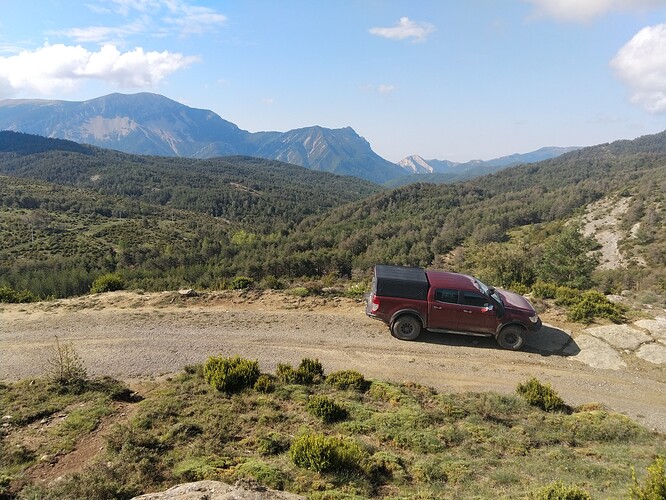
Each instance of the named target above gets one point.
<point>444,79</point>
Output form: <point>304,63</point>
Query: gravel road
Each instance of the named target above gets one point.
<point>134,336</point>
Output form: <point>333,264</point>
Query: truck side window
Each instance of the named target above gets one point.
<point>443,295</point>
<point>475,299</point>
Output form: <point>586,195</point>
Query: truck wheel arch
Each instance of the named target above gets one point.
<point>406,325</point>
<point>511,336</point>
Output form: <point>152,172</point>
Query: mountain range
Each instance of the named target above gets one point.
<point>152,124</point>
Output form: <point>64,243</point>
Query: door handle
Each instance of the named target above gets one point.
<point>467,311</point>
<point>437,307</point>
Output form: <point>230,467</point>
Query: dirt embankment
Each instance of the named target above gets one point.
<point>136,336</point>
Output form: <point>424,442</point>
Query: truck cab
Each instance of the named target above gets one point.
<point>411,299</point>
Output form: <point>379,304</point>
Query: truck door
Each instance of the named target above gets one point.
<point>478,315</point>
<point>445,312</point>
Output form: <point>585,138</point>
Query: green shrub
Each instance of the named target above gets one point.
<point>542,290</point>
<point>285,373</point>
<point>326,409</point>
<point>265,474</point>
<point>231,374</point>
<point>270,282</point>
<point>264,384</point>
<point>654,487</point>
<point>592,305</point>
<point>357,290</point>
<point>565,296</point>
<point>299,291</point>
<point>241,283</point>
<point>322,453</point>
<point>11,296</point>
<point>559,491</point>
<point>542,396</point>
<point>348,379</point>
<point>109,282</point>
<point>309,371</point>
<point>198,468</point>
<point>520,288</point>
<point>272,443</point>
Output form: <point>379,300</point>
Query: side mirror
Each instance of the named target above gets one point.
<point>488,308</point>
<point>491,290</point>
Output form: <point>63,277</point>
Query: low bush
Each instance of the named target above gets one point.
<point>542,396</point>
<point>348,379</point>
<point>231,374</point>
<point>308,372</point>
<point>285,373</point>
<point>592,305</point>
<point>270,282</point>
<point>559,491</point>
<point>565,296</point>
<point>272,443</point>
<point>356,290</point>
<point>520,288</point>
<point>11,296</point>
<point>109,282</point>
<point>299,291</point>
<point>322,453</point>
<point>65,367</point>
<point>264,384</point>
<point>542,290</point>
<point>241,283</point>
<point>326,409</point>
<point>654,487</point>
<point>265,474</point>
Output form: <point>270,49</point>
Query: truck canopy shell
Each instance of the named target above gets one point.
<point>399,281</point>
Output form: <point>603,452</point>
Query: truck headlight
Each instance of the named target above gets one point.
<point>534,318</point>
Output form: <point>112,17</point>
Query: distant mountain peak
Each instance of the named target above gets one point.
<point>416,165</point>
<point>147,123</point>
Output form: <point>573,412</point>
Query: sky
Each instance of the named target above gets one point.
<point>443,79</point>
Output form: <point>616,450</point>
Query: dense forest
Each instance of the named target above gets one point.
<point>69,213</point>
<point>264,195</point>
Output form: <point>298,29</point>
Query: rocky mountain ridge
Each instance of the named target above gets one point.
<point>151,124</point>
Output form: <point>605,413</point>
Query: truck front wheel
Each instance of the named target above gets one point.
<point>511,337</point>
<point>406,328</point>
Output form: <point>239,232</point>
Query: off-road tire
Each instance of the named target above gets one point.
<point>406,327</point>
<point>511,337</point>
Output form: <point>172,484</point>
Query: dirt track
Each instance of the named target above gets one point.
<point>132,336</point>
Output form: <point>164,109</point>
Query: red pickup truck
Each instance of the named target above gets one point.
<point>411,299</point>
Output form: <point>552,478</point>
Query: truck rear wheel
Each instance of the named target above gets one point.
<point>511,337</point>
<point>406,328</point>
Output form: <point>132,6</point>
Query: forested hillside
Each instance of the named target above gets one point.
<point>265,195</point>
<point>166,223</point>
<point>422,224</point>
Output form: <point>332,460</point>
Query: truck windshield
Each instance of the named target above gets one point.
<point>485,289</point>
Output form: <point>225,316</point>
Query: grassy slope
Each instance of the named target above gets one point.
<point>415,442</point>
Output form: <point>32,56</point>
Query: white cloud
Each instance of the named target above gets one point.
<point>99,34</point>
<point>269,101</point>
<point>584,10</point>
<point>642,66</point>
<point>189,19</point>
<point>60,67</point>
<point>406,28</point>
<point>194,20</point>
<point>125,6</point>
